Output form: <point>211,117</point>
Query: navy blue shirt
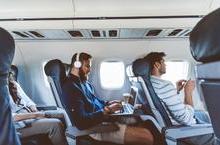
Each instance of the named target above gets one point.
<point>83,106</point>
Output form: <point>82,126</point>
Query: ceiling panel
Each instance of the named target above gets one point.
<point>36,9</point>
<point>102,8</point>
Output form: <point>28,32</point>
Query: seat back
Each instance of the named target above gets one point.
<point>56,74</point>
<point>136,86</point>
<point>141,70</point>
<point>205,48</point>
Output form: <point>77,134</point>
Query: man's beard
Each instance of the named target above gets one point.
<point>162,72</point>
<point>83,77</point>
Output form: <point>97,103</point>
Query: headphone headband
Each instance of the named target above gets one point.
<point>77,63</point>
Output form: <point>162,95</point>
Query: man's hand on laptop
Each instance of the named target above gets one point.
<point>112,108</point>
<point>113,101</point>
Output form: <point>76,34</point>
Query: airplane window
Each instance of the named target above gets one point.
<point>112,74</point>
<point>176,70</point>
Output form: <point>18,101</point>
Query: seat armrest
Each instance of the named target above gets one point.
<point>18,134</point>
<point>46,108</point>
<point>73,132</point>
<point>179,132</point>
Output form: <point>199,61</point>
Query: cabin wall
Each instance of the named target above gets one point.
<point>31,55</point>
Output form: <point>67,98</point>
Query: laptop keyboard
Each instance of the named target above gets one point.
<point>127,108</point>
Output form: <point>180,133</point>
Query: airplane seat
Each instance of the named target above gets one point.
<point>141,70</point>
<point>130,74</point>
<point>67,68</point>
<point>172,134</point>
<point>137,89</point>
<point>40,139</point>
<point>205,48</point>
<point>57,73</point>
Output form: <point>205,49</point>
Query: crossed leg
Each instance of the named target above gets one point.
<point>127,135</point>
<point>138,135</point>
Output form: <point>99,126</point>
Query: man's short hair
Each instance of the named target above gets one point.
<point>82,56</point>
<point>154,57</point>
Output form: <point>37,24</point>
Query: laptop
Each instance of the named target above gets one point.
<point>128,108</point>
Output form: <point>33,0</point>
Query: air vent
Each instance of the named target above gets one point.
<point>20,34</point>
<point>154,32</point>
<point>95,33</point>
<point>75,33</point>
<point>175,32</point>
<point>112,33</point>
<point>36,34</point>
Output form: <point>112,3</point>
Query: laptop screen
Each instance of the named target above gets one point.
<point>133,93</point>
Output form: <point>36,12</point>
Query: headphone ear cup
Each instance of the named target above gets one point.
<point>77,64</point>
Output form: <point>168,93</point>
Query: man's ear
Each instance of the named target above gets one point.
<point>156,65</point>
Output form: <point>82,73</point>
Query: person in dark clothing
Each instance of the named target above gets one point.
<point>88,110</point>
<point>8,134</point>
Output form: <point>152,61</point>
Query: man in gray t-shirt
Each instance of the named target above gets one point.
<point>180,112</point>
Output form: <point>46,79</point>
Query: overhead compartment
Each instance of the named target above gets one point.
<point>139,13</point>
<point>102,14</point>
<point>122,8</point>
<point>136,23</point>
<point>39,14</point>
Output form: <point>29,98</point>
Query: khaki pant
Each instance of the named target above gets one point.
<point>51,126</point>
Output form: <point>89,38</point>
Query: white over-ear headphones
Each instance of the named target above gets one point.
<point>77,63</point>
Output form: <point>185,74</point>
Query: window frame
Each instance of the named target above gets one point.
<point>178,60</point>
<point>124,79</point>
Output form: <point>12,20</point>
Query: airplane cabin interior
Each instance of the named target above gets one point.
<point>117,34</point>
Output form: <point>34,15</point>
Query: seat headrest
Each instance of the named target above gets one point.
<point>7,49</point>
<point>67,68</point>
<point>14,70</point>
<point>141,67</point>
<point>55,68</point>
<point>205,38</point>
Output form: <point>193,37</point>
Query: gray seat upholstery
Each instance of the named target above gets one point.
<point>40,139</point>
<point>205,48</point>
<point>7,130</point>
<point>56,74</point>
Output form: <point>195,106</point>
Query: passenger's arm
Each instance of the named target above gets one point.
<point>24,116</point>
<point>188,90</point>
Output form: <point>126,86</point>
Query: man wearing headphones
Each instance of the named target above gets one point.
<point>89,110</point>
